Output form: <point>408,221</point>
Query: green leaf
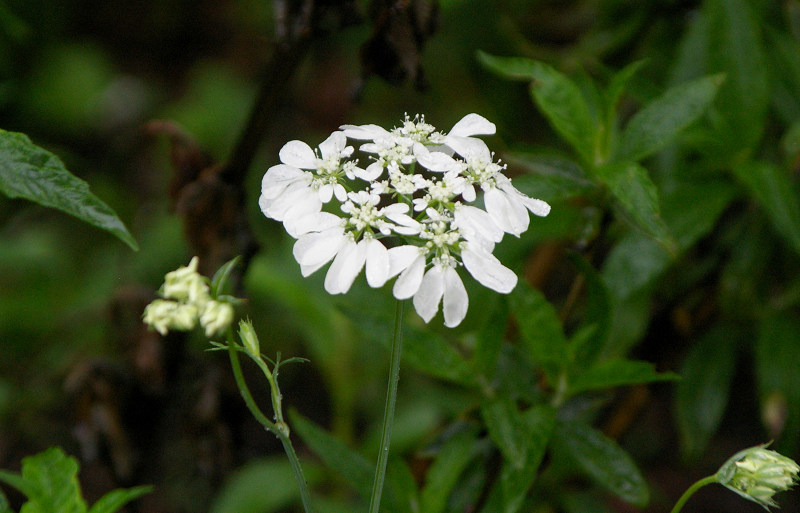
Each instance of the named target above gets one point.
<point>443,474</point>
<point>30,172</point>
<point>660,121</point>
<point>597,313</point>
<point>489,342</point>
<point>736,49</point>
<point>617,372</point>
<point>4,506</point>
<point>258,487</point>
<point>349,464</point>
<point>776,194</point>
<point>702,393</point>
<point>115,499</point>
<point>539,422</point>
<point>632,187</point>
<point>550,178</point>
<point>52,482</point>
<point>558,97</point>
<point>777,361</point>
<point>602,460</point>
<point>618,83</point>
<point>506,429</point>
<point>541,330</point>
<point>220,278</point>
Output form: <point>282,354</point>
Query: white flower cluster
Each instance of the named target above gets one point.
<point>758,473</point>
<point>410,213</point>
<point>187,300</point>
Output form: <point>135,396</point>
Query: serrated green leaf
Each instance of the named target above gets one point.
<point>115,499</point>
<point>539,422</point>
<point>771,187</point>
<point>702,393</point>
<point>660,121</point>
<point>550,178</point>
<point>777,360</point>
<point>30,172</point>
<point>443,474</point>
<point>541,330</point>
<point>52,479</point>
<point>558,97</point>
<point>602,460</point>
<point>617,372</point>
<point>632,187</point>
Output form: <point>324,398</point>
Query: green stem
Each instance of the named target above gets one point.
<point>688,493</point>
<point>280,429</point>
<point>388,413</point>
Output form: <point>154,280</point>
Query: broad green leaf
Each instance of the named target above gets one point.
<point>736,49</point>
<point>52,479</point>
<point>660,121</point>
<point>430,353</point>
<point>777,361</point>
<point>550,178</point>
<point>617,372</point>
<point>4,506</point>
<point>507,430</point>
<point>602,460</point>
<point>558,97</point>
<point>490,342</point>
<point>617,84</point>
<point>30,172</point>
<point>259,487</point>
<point>115,499</point>
<point>772,188</point>
<point>443,474</point>
<point>632,187</point>
<point>541,330</point>
<point>539,422</point>
<point>702,393</point>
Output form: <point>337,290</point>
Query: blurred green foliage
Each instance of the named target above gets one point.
<point>664,133</point>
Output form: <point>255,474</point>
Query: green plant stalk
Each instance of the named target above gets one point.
<point>388,413</point>
<point>280,429</point>
<point>688,493</point>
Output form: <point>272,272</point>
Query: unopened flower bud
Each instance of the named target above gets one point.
<point>758,473</point>
<point>186,284</point>
<point>249,338</point>
<point>216,316</point>
<point>164,315</point>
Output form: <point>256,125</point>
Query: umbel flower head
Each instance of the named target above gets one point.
<point>411,213</point>
<point>758,473</point>
<point>187,301</point>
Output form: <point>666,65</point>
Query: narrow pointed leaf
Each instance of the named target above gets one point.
<point>659,122</point>
<point>115,499</point>
<point>541,330</point>
<point>30,172</point>
<point>443,474</point>
<point>617,372</point>
<point>507,430</point>
<point>602,460</point>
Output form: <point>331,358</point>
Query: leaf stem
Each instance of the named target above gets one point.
<point>278,428</point>
<point>688,493</point>
<point>388,413</point>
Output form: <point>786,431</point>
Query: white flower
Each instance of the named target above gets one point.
<point>487,269</point>
<point>216,317</point>
<point>314,250</point>
<point>186,284</point>
<point>442,284</point>
<point>477,226</point>
<point>164,315</point>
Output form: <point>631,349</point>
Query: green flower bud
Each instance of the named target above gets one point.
<point>186,284</point>
<point>758,473</point>
<point>249,338</point>
<point>163,315</point>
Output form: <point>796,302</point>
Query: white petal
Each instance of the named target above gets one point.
<point>325,193</point>
<point>456,301</point>
<point>536,206</point>
<point>427,298</point>
<point>400,257</point>
<point>297,226</point>
<point>333,145</point>
<point>297,197</point>
<point>345,267</point>
<point>277,178</point>
<point>436,161</point>
<point>372,172</point>
<point>469,193</point>
<point>469,147</point>
<point>377,263</point>
<point>316,247</point>
<point>409,280</point>
<point>476,225</point>
<point>487,269</point>
<point>364,132</point>
<point>298,154</point>
<point>340,192</point>
<point>511,216</point>
<point>473,124</point>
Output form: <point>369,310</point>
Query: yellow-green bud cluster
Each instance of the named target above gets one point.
<point>758,473</point>
<point>187,301</point>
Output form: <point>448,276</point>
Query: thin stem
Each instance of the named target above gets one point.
<point>688,493</point>
<point>280,429</point>
<point>388,413</point>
